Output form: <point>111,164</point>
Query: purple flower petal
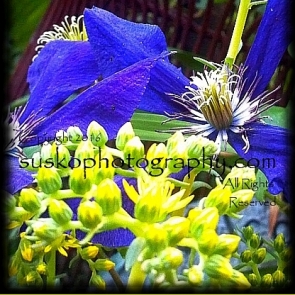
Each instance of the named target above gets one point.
<point>273,37</point>
<point>16,177</point>
<point>61,68</point>
<point>270,151</point>
<point>110,102</point>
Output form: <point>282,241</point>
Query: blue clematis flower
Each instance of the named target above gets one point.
<point>117,43</point>
<point>53,79</point>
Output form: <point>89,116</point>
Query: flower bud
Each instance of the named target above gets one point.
<point>85,153</point>
<point>29,200</point>
<point>247,232</point>
<point>61,136</point>
<point>108,196</point>
<point>26,250</point>
<point>207,219</point>
<point>259,255</point>
<point>174,141</point>
<point>33,278</point>
<point>252,278</point>
<point>279,243</point>
<point>240,178</point>
<point>104,167</point>
<point>200,147</point>
<point>97,134</point>
<point>227,244</point>
<point>177,228</point>
<point>49,180</point>
<point>156,157</point>
<point>255,241</point>
<point>104,264</point>
<point>48,230</point>
<point>33,163</point>
<point>97,281</point>
<point>133,150</point>
<point>90,214</point>
<point>45,151</point>
<point>61,156</point>
<point>246,256</point>
<point>89,252</point>
<point>286,254</point>
<point>41,268</point>
<point>80,180</point>
<point>266,281</point>
<point>218,197</point>
<point>238,281</point>
<point>9,202</point>
<point>171,257</point>
<point>218,267</point>
<point>240,200</point>
<point>60,211</point>
<point>207,241</point>
<point>195,275</point>
<point>124,134</point>
<point>75,134</point>
<point>156,238</point>
<point>278,278</point>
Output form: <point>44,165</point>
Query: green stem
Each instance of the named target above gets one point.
<point>255,270</point>
<point>234,46</point>
<point>257,3</point>
<point>125,173</point>
<point>51,265</point>
<point>136,278</point>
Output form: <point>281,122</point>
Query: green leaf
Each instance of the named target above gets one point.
<point>279,116</point>
<point>133,252</point>
<point>147,126</point>
<point>29,151</point>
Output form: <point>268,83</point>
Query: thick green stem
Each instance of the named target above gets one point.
<point>51,268</point>
<point>136,278</point>
<point>234,46</point>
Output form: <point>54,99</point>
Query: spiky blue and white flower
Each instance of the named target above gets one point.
<point>217,101</point>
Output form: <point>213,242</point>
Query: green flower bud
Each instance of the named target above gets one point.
<point>240,200</point>
<point>246,256</point>
<point>252,278</point>
<point>41,268</point>
<point>103,168</point>
<point>108,196</point>
<point>238,281</point>
<point>171,257</point>
<point>61,156</point>
<point>49,180</point>
<point>104,264</point>
<point>177,228</point>
<point>133,150</point>
<point>207,219</point>
<point>286,255</point>
<point>156,156</point>
<point>174,141</point>
<point>80,180</point>
<point>149,209</point>
<point>61,136</point>
<point>207,241</point>
<point>27,252</point>
<point>240,178</point>
<point>255,241</point>
<point>266,281</point>
<point>47,230</point>
<point>33,163</point>
<point>218,197</point>
<point>90,214</point>
<point>259,255</point>
<point>45,151</point>
<point>89,252</point>
<point>75,134</point>
<point>218,267</point>
<point>60,211</point>
<point>156,238</point>
<point>9,202</point>
<point>227,244</point>
<point>124,134</point>
<point>33,278</point>
<point>247,232</point>
<point>85,153</point>
<point>279,243</point>
<point>199,147</point>
<point>97,134</point>
<point>195,275</point>
<point>278,278</point>
<point>29,200</point>
<point>97,281</point>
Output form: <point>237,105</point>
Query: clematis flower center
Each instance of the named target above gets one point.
<point>71,30</point>
<point>213,97</point>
